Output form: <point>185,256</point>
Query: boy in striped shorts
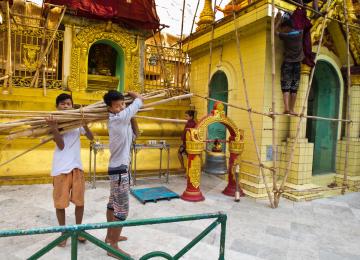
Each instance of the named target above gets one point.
<point>120,139</point>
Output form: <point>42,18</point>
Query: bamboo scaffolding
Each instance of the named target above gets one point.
<point>211,49</point>
<point>248,106</point>
<point>43,55</point>
<point>273,104</point>
<point>231,105</point>
<point>180,42</point>
<point>41,51</point>
<point>161,56</point>
<point>287,171</point>
<point>191,33</point>
<point>7,87</point>
<point>348,112</point>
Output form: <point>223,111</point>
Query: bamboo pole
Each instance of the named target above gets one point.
<point>248,106</point>
<point>273,104</point>
<point>191,33</point>
<point>348,112</point>
<point>181,121</point>
<point>46,140</point>
<point>4,77</point>
<point>180,43</point>
<point>41,51</point>
<point>287,170</point>
<point>161,55</point>
<point>167,100</point>
<point>43,55</point>
<point>211,49</point>
<point>8,81</point>
<point>232,105</point>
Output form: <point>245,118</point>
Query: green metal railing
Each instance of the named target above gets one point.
<point>75,231</point>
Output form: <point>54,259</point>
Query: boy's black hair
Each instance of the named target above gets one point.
<point>63,97</point>
<point>190,113</point>
<point>112,95</point>
<point>286,21</point>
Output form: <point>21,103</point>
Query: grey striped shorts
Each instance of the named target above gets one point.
<point>119,195</point>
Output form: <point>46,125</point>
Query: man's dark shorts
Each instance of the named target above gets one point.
<point>290,76</point>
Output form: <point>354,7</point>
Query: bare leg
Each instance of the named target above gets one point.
<point>114,238</point>
<point>79,213</point>
<point>181,160</point>
<point>286,97</point>
<point>292,103</point>
<point>110,218</point>
<point>60,214</point>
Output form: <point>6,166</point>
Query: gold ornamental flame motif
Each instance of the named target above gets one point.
<point>30,53</point>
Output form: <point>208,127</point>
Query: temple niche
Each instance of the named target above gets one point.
<point>103,67</point>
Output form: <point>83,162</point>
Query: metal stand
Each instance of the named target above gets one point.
<point>161,147</point>
<point>95,147</point>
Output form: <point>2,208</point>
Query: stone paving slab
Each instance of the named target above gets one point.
<point>324,229</point>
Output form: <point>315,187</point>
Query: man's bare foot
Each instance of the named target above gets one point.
<point>121,238</point>
<point>118,249</point>
<point>286,112</point>
<point>62,244</point>
<point>293,113</point>
<point>81,239</point>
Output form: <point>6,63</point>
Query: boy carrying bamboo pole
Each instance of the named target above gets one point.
<point>67,169</point>
<point>120,139</point>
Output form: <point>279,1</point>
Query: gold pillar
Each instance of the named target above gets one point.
<point>68,40</point>
<point>206,16</point>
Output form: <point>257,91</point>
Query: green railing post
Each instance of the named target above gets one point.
<point>48,247</point>
<point>196,240</point>
<point>104,246</point>
<point>79,230</point>
<point>74,245</point>
<point>222,220</point>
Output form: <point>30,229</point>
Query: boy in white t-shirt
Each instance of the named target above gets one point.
<point>67,169</point>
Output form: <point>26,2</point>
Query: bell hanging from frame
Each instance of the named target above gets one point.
<point>215,163</point>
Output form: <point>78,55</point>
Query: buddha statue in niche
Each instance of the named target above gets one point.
<point>102,60</point>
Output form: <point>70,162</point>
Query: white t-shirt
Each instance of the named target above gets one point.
<point>66,160</point>
<point>121,134</point>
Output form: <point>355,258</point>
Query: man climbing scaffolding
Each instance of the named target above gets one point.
<point>293,56</point>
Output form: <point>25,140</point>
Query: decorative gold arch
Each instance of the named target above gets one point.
<point>106,31</point>
<point>217,115</point>
<point>195,144</point>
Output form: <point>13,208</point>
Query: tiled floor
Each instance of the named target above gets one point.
<point>322,229</point>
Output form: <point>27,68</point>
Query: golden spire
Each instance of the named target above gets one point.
<point>206,16</point>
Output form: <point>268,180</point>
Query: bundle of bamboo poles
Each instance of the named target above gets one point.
<point>32,124</point>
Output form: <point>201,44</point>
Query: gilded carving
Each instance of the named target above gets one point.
<point>195,171</point>
<point>90,35</point>
<point>30,53</point>
<point>336,11</point>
